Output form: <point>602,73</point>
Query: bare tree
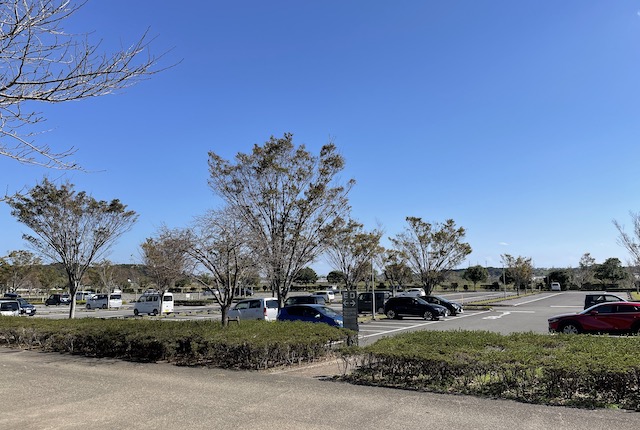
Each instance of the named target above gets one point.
<point>220,246</point>
<point>630,241</point>
<point>431,250</point>
<point>42,63</point>
<point>288,199</point>
<point>71,228</point>
<point>351,250</point>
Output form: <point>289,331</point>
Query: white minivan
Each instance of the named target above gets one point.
<point>255,309</point>
<point>150,303</point>
<point>104,301</point>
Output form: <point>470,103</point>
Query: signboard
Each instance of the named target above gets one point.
<point>350,309</point>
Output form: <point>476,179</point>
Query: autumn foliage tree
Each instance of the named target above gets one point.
<point>70,227</point>
<point>288,198</point>
<point>431,250</point>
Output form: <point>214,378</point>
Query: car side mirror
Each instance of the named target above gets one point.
<point>593,312</point>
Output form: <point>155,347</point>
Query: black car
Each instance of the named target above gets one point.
<point>594,299</point>
<point>304,300</point>
<point>397,307</point>
<point>454,307</point>
<point>26,308</point>
<point>365,301</point>
<point>58,299</point>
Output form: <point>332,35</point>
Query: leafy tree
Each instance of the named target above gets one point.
<point>519,270</point>
<point>17,269</point>
<point>476,274</point>
<point>396,272</point>
<point>289,200</point>
<point>165,257</point>
<point>72,228</point>
<point>610,271</point>
<point>44,64</point>
<point>584,273</point>
<point>351,250</point>
<point>336,277</point>
<point>307,276</point>
<point>431,250</point>
<point>564,277</point>
<point>220,246</point>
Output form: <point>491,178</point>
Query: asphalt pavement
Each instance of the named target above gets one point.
<point>57,391</point>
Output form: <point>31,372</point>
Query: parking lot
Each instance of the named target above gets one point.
<point>517,314</point>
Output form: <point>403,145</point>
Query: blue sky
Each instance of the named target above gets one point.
<point>519,120</point>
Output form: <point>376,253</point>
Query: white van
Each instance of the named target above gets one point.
<point>555,286</point>
<point>150,303</point>
<point>9,308</point>
<point>255,309</point>
<point>104,301</point>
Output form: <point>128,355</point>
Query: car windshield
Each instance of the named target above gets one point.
<point>330,312</point>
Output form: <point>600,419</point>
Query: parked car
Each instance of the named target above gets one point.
<point>312,314</point>
<point>594,299</point>
<point>11,295</point>
<point>58,299</point>
<point>25,307</point>
<point>9,308</point>
<point>397,307</point>
<point>304,300</point>
<point>614,318</point>
<point>151,303</point>
<point>555,286</point>
<point>327,295</point>
<point>104,301</point>
<point>365,301</point>
<point>255,309</point>
<point>412,292</point>
<point>454,308</point>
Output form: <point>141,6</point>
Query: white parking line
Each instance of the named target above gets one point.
<point>535,300</point>
<point>416,325</point>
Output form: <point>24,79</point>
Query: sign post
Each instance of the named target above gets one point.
<point>350,309</point>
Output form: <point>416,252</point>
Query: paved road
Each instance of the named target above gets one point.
<point>53,391</point>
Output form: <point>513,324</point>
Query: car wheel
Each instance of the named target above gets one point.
<point>428,315</point>
<point>380,310</point>
<point>570,328</point>
<point>392,314</point>
<point>104,306</point>
<point>136,312</point>
<point>88,306</point>
<point>155,312</point>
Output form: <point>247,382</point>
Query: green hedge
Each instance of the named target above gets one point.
<point>248,345</point>
<point>585,371</point>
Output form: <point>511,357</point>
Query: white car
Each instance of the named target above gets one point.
<point>328,295</point>
<point>9,308</point>
<point>255,309</point>
<point>412,292</point>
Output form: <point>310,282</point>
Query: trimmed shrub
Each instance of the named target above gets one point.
<point>585,371</point>
<point>250,345</point>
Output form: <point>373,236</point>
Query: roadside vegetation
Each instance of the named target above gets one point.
<point>580,371</point>
<point>249,345</point>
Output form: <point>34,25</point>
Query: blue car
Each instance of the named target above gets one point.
<point>311,313</point>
